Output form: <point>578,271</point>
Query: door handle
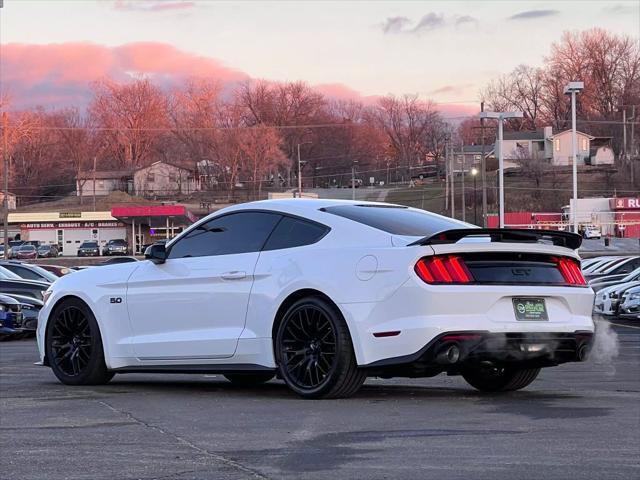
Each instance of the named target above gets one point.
<point>234,275</point>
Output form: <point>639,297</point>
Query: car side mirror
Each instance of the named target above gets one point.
<point>157,253</point>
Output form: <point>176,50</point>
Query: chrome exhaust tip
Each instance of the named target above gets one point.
<point>449,355</point>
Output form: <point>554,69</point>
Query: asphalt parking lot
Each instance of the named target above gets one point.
<point>575,421</point>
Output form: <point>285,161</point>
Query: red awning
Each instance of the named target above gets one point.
<point>156,214</point>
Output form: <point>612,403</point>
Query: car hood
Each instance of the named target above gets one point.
<point>96,276</point>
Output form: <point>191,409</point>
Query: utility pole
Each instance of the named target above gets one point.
<point>446,175</point>
<point>452,172</point>
<point>464,200</point>
<point>94,183</point>
<point>353,180</point>
<point>624,134</point>
<point>483,170</point>
<point>5,200</point>
<point>633,145</point>
<point>299,174</point>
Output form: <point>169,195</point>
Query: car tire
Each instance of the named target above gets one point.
<point>314,351</point>
<point>249,379</point>
<point>74,345</point>
<point>499,379</point>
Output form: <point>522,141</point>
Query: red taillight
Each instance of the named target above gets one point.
<point>570,271</point>
<point>448,269</point>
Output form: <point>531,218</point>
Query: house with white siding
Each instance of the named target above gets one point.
<point>163,179</point>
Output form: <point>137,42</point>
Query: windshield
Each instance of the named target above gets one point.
<point>89,245</point>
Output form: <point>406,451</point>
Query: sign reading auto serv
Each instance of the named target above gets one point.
<point>627,203</point>
<point>66,225</point>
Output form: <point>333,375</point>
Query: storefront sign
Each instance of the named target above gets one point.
<point>628,203</point>
<point>70,225</point>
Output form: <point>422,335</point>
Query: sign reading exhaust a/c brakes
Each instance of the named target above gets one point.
<point>530,309</point>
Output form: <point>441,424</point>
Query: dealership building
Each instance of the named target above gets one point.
<point>138,225</point>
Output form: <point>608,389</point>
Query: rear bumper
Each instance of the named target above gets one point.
<point>453,351</point>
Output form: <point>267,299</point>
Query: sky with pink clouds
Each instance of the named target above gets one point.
<point>443,50</point>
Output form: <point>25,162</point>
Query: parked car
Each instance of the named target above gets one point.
<point>48,251</point>
<point>28,271</point>
<point>602,282</point>
<point>626,265</point>
<point>26,252</point>
<point>602,263</point>
<point>325,293</point>
<point>30,310</point>
<point>630,303</point>
<point>115,247</point>
<point>608,299</point>
<point>57,270</point>
<point>116,260</point>
<point>592,232</point>
<point>2,251</point>
<point>89,249</point>
<point>28,288</point>
<point>10,317</point>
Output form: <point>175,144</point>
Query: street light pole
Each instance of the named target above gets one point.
<point>474,174</point>
<point>574,152</point>
<point>573,88</point>
<point>501,173</point>
<point>501,116</point>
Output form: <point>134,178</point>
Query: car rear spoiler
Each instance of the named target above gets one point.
<point>510,235</point>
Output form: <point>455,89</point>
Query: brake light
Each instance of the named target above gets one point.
<point>447,269</point>
<point>570,271</point>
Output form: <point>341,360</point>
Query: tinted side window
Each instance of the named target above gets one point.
<point>292,232</point>
<point>235,233</point>
<point>24,272</point>
<point>398,220</point>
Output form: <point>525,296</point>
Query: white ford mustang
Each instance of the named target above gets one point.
<point>324,293</point>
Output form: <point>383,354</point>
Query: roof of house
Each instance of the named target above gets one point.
<point>477,149</point>
<point>591,137</point>
<point>189,167</point>
<point>104,174</point>
<point>524,135</point>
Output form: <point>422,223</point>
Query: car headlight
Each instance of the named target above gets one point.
<point>634,296</point>
<point>45,296</point>
<point>3,308</point>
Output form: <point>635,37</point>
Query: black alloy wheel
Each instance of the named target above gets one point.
<point>74,346</point>
<point>314,351</point>
<point>71,341</point>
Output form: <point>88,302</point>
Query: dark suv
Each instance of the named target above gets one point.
<point>115,247</point>
<point>89,249</point>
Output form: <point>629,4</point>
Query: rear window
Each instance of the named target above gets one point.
<point>397,220</point>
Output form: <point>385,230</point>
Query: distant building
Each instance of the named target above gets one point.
<point>563,149</point>
<point>163,179</point>
<point>156,180</point>
<point>556,149</point>
<point>11,200</point>
<point>105,182</point>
